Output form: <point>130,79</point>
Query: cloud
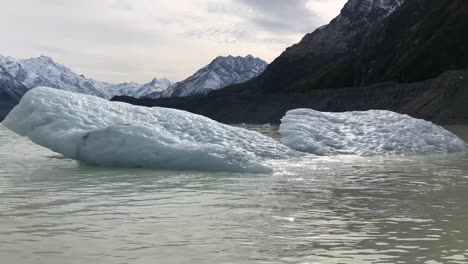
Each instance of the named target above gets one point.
<point>283,16</point>
<point>136,40</point>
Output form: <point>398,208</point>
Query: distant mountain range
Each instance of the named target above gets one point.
<point>44,71</point>
<point>407,56</point>
<point>18,76</point>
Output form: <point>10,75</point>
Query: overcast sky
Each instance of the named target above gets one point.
<point>136,40</point>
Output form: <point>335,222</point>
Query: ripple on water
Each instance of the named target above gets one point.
<point>313,210</point>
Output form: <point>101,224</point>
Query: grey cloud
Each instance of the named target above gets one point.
<point>222,35</point>
<point>281,16</point>
<point>286,18</point>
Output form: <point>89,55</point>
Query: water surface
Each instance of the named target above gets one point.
<point>315,210</point>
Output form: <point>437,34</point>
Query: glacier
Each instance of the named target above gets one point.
<point>369,133</point>
<point>98,132</point>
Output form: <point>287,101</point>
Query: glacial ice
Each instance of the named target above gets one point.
<point>366,133</point>
<point>99,132</point>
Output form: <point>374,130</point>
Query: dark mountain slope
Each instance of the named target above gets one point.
<point>420,40</point>
<point>10,92</point>
<point>6,104</point>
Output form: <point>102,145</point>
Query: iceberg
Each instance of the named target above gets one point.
<point>368,133</point>
<point>99,132</point>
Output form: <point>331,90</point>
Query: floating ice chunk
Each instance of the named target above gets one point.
<point>365,133</point>
<point>100,132</point>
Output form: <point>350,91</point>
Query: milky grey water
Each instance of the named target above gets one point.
<point>318,210</point>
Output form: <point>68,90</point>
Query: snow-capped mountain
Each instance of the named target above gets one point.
<point>154,88</point>
<point>131,89</point>
<point>44,71</point>
<point>221,72</point>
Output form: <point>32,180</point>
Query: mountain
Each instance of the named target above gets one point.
<point>317,50</point>
<point>421,40</point>
<point>412,59</point>
<point>221,72</point>
<point>10,92</point>
<point>155,87</point>
<point>44,71</point>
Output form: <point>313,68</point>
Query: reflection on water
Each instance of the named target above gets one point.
<point>314,210</point>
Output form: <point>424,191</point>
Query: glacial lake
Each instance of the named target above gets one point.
<point>403,209</point>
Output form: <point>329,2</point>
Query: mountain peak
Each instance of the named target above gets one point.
<point>46,59</point>
<point>357,8</point>
<point>221,72</point>
<point>249,59</point>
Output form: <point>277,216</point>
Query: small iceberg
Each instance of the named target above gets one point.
<point>366,133</point>
<point>99,132</point>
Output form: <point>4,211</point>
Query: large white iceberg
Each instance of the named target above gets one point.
<point>365,133</point>
<point>100,132</point>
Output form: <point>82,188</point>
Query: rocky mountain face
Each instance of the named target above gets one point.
<point>317,50</point>
<point>11,92</point>
<point>221,72</point>
<point>421,40</point>
<point>44,71</point>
